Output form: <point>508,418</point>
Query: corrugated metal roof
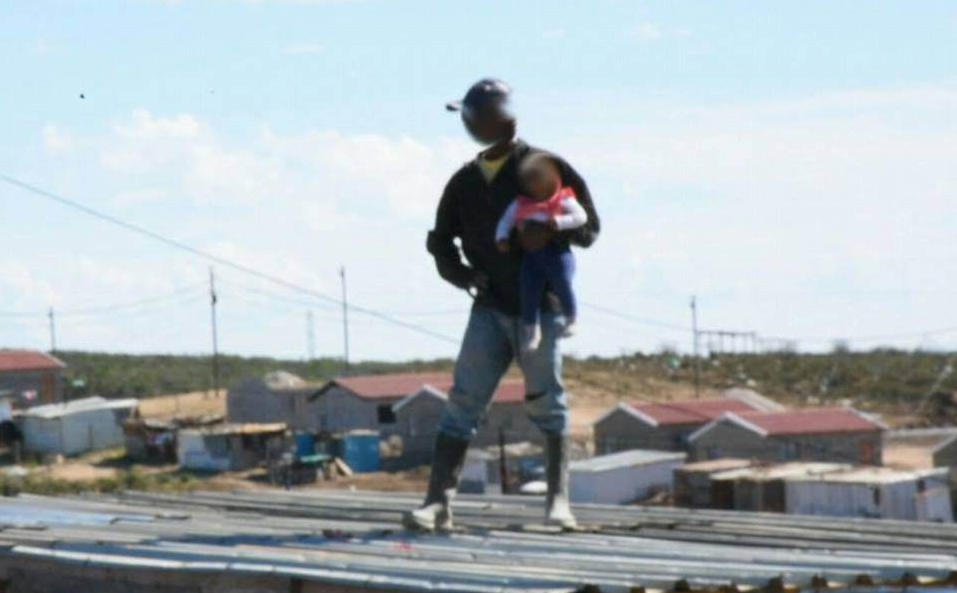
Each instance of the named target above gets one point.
<point>410,385</point>
<point>628,458</point>
<point>827,472</point>
<point>810,421</point>
<point>780,471</point>
<point>393,385</point>
<point>76,406</point>
<point>27,360</point>
<point>248,428</point>
<point>717,465</point>
<point>693,411</point>
<point>351,539</point>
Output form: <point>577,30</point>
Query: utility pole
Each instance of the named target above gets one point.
<point>212,309</point>
<point>694,341</point>
<point>52,331</point>
<point>310,336</point>
<point>345,322</point>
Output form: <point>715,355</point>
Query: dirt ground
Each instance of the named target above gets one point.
<point>195,403</point>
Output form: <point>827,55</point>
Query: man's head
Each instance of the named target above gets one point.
<point>485,112</point>
<point>539,176</point>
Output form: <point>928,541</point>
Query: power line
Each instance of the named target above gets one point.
<point>112,308</point>
<point>135,228</point>
<point>629,317</point>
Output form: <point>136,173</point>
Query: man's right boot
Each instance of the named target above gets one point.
<point>436,512</point>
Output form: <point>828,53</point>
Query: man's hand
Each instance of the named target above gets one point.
<point>479,282</point>
<point>502,246</point>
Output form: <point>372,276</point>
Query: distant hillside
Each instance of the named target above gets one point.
<point>146,375</point>
<point>889,379</point>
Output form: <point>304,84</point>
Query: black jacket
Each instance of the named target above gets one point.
<point>469,211</point>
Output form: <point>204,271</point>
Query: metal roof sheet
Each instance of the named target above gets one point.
<point>248,428</point>
<point>77,406</point>
<point>811,421</point>
<point>692,411</point>
<point>350,538</point>
<point>630,458</point>
<point>27,360</point>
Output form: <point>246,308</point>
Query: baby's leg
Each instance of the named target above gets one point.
<point>560,269</point>
<point>531,287</point>
<point>532,284</point>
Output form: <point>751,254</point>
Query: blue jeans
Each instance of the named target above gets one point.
<point>490,343</point>
<point>552,266</point>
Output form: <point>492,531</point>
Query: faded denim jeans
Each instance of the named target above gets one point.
<point>490,343</point>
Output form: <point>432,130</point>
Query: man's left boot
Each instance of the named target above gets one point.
<point>557,510</point>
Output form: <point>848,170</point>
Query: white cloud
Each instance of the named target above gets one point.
<point>646,32</point>
<point>142,125</point>
<point>820,215</point>
<point>55,140</point>
<point>825,214</point>
<point>294,204</point>
<point>558,33</point>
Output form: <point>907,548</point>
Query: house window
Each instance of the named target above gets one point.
<point>386,414</point>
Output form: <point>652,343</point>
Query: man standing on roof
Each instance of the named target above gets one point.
<point>471,205</point>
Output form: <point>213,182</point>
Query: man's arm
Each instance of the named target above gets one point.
<point>585,235</point>
<point>441,243</point>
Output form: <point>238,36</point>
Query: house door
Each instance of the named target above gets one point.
<point>47,389</point>
<point>722,494</point>
<point>773,496</point>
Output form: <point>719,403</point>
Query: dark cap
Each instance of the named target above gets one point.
<point>484,94</point>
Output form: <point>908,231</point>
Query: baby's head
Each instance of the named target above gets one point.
<point>539,176</point>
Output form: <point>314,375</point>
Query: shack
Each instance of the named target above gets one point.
<point>693,480</point>
<point>230,447</point>
<point>761,487</point>
<point>623,478</point>
<point>836,489</point>
<point>154,439</point>
<point>74,427</point>
<point>877,492</point>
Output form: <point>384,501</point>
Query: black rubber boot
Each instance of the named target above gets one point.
<point>557,510</point>
<point>436,512</point>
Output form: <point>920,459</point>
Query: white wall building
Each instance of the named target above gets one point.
<point>76,426</point>
<point>622,478</point>
<point>836,489</point>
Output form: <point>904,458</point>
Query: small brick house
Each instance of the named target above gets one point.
<point>832,434</point>
<point>661,426</point>
<point>366,402</point>
<point>275,397</point>
<point>417,420</point>
<point>30,377</point>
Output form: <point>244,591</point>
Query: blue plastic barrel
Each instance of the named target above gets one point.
<point>305,444</point>
<point>360,451</point>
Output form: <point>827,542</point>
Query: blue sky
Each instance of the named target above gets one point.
<point>791,164</point>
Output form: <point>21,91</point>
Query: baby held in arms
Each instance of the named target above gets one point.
<point>547,203</point>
